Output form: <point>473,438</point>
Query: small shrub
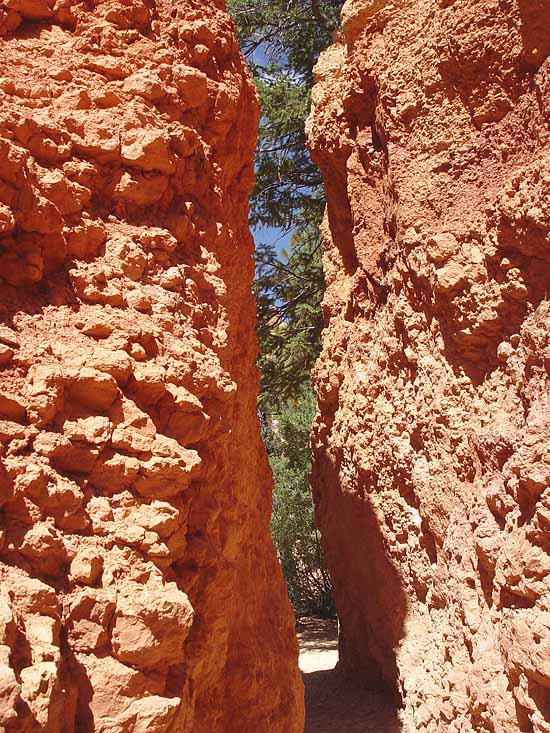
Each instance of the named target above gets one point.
<point>293,527</point>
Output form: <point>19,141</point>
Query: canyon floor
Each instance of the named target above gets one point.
<point>334,704</point>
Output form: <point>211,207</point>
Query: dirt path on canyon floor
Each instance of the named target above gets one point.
<point>334,704</point>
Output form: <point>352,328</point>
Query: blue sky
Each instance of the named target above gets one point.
<point>270,235</point>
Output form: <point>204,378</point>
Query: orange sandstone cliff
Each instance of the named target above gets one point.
<point>432,438</point>
<point>139,590</point>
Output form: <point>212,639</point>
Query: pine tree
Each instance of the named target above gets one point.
<point>282,40</point>
<point>289,289</point>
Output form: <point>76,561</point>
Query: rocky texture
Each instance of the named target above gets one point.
<point>138,581</point>
<point>432,451</point>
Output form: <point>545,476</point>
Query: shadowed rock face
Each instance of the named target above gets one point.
<point>139,589</point>
<point>431,442</point>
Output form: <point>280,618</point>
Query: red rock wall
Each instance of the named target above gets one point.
<point>140,592</point>
<point>432,448</point>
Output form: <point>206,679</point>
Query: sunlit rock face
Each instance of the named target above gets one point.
<point>432,438</point>
<point>140,592</point>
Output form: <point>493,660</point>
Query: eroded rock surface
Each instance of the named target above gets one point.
<point>140,592</point>
<point>432,452</point>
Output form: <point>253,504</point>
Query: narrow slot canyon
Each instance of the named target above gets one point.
<point>142,587</point>
<point>335,700</point>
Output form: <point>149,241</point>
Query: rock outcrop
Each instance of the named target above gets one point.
<point>432,439</point>
<point>139,590</point>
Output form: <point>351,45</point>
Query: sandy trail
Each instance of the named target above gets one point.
<point>333,703</point>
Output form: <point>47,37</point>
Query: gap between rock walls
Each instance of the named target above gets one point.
<point>289,287</point>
